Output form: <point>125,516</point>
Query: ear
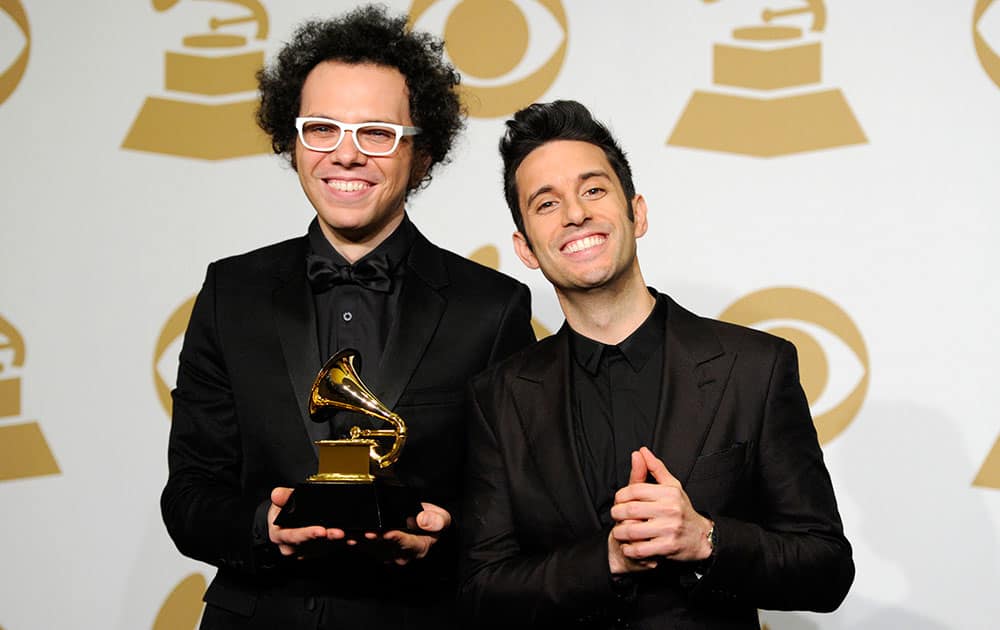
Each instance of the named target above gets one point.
<point>639,212</point>
<point>421,165</point>
<point>523,251</point>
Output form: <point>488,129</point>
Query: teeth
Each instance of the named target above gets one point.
<point>352,186</point>
<point>584,243</point>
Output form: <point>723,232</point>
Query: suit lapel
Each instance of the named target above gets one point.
<point>696,370</point>
<point>421,306</point>
<point>542,395</point>
<point>295,318</point>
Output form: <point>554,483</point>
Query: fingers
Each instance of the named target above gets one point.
<point>639,471</point>
<point>646,551</point>
<point>298,535</point>
<point>648,492</point>
<point>618,563</point>
<point>433,518</point>
<point>288,539</point>
<point>647,504</point>
<point>657,468</point>
<point>636,531</point>
<point>642,541</point>
<point>409,546</point>
<point>673,547</point>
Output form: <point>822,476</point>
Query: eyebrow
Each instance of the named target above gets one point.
<point>537,193</point>
<point>582,178</point>
<point>367,121</point>
<point>592,174</point>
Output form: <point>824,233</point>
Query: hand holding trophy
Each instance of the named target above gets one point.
<point>344,493</point>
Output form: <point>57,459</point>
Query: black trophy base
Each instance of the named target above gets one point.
<point>366,507</point>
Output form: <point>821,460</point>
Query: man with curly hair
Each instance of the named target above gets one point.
<point>363,110</point>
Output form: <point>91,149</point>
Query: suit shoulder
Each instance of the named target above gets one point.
<point>263,255</point>
<point>477,277</point>
<point>731,336</point>
<point>260,263</point>
<point>744,335</point>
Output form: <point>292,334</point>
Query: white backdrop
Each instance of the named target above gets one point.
<point>882,243</point>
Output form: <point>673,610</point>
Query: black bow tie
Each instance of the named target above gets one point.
<point>371,273</point>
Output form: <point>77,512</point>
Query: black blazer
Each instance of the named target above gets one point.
<point>733,426</point>
<point>241,426</point>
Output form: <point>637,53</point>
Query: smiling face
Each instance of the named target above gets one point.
<point>576,218</point>
<point>359,199</point>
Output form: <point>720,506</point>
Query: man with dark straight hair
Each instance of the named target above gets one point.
<point>643,467</point>
<point>363,110</point>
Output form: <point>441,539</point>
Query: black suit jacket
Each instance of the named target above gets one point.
<point>733,426</point>
<point>241,425</point>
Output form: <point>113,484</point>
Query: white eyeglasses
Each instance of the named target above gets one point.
<point>374,138</point>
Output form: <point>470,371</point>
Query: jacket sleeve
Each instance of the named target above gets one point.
<point>504,583</point>
<point>793,554</point>
<point>204,509</point>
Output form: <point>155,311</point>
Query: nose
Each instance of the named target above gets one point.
<point>347,153</point>
<point>575,212</point>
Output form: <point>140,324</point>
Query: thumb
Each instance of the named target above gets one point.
<point>433,518</point>
<point>657,468</point>
<point>639,469</point>
<point>279,496</point>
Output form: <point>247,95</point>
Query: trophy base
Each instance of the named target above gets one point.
<point>378,506</point>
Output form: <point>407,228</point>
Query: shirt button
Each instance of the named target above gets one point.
<point>347,316</point>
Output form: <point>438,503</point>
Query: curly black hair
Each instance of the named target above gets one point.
<point>365,35</point>
<point>540,123</point>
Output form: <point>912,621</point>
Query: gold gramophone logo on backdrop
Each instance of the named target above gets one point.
<point>182,608</point>
<point>211,85</point>
<point>508,51</point>
<point>987,55</point>
<point>833,358</point>
<point>11,73</point>
<point>768,100</point>
<point>23,449</point>
<point>989,474</point>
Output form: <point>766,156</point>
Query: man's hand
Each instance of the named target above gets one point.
<point>433,520</point>
<point>657,519</point>
<point>289,539</point>
<point>617,561</point>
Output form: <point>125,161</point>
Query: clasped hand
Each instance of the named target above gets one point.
<point>398,546</point>
<point>654,520</point>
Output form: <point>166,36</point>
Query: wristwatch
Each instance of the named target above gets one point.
<point>702,566</point>
<point>713,540</point>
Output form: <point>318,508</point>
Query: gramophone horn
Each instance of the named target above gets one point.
<point>338,386</point>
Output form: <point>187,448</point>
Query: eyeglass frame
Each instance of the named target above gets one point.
<point>401,132</point>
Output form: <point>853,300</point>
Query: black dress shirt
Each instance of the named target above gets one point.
<point>352,316</point>
<point>616,392</point>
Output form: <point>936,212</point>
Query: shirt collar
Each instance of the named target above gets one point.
<point>637,348</point>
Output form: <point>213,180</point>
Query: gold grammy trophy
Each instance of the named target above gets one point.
<point>344,493</point>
